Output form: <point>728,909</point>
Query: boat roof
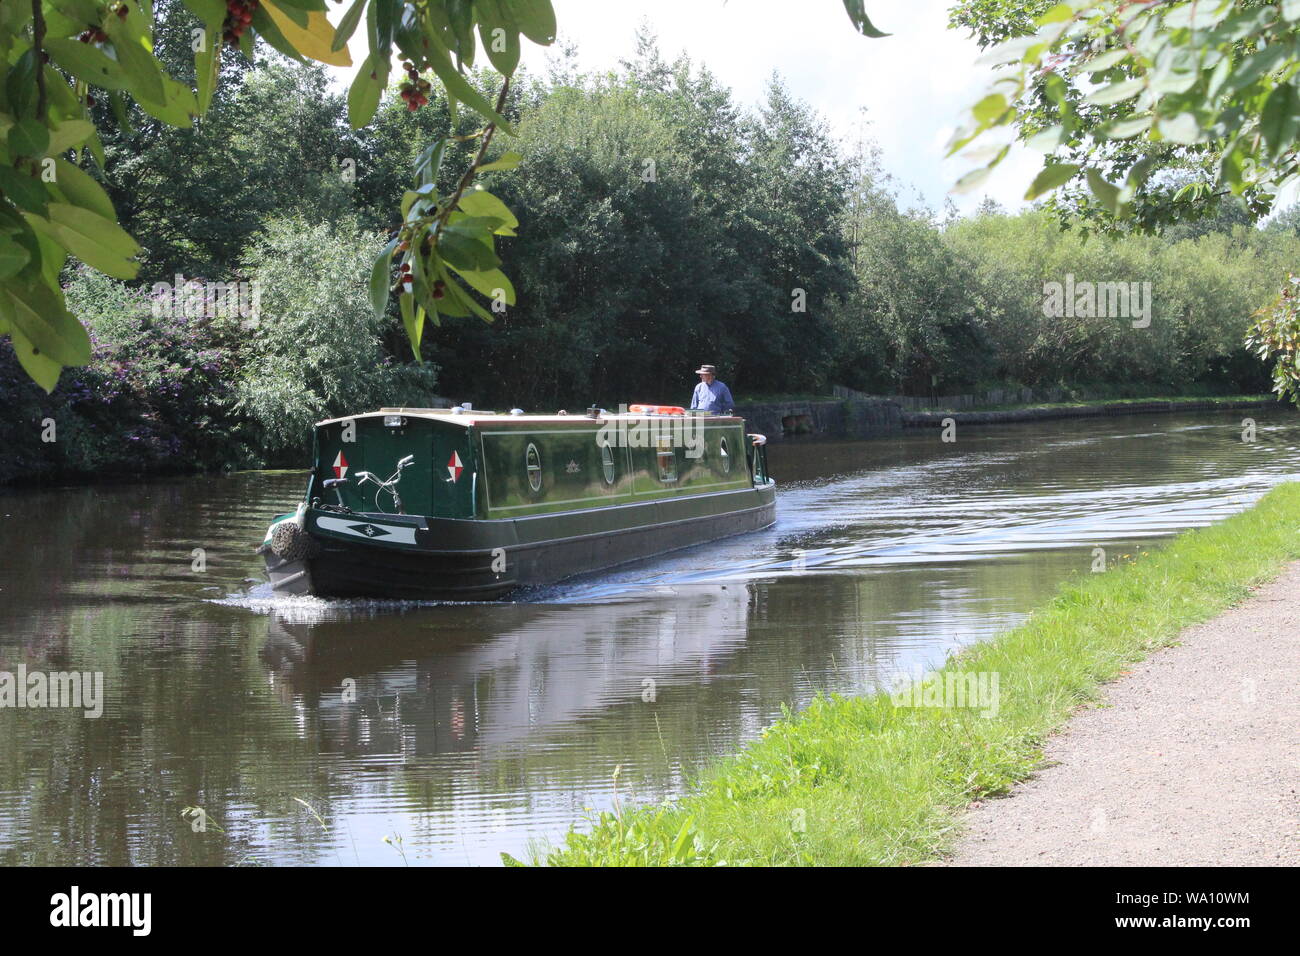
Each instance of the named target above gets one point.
<point>468,417</point>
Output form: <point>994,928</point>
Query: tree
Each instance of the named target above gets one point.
<point>316,348</point>
<point>1163,110</point>
<point>60,53</point>
<point>64,57</point>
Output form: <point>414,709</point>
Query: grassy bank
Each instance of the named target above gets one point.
<point>860,781</point>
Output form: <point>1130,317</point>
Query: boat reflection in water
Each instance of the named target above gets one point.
<point>445,680</point>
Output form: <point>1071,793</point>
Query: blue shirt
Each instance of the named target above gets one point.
<point>712,398</point>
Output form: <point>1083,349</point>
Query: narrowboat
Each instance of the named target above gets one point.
<point>459,504</point>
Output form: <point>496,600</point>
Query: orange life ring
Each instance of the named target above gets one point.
<point>656,410</point>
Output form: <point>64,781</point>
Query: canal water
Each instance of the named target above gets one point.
<point>313,732</point>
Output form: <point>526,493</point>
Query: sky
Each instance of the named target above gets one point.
<point>913,85</point>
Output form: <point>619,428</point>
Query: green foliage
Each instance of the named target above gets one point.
<point>318,349</point>
<point>272,146</point>
<point>1276,335</point>
<point>872,781</point>
<point>156,395</point>
<point>1147,113</point>
<point>1202,293</point>
<point>47,109</point>
<point>175,386</point>
<point>660,222</point>
<point>59,53</point>
<point>914,322</point>
<point>948,308</point>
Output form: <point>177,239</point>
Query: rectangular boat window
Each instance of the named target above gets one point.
<point>394,421</point>
<point>667,462</point>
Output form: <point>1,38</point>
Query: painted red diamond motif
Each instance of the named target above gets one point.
<point>454,466</point>
<point>340,466</point>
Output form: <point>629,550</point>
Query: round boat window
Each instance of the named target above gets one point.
<point>725,454</point>
<point>533,466</point>
<point>607,463</point>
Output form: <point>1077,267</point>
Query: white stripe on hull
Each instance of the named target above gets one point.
<point>357,527</point>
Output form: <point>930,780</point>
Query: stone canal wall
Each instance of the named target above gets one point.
<point>824,419</point>
<point>1010,415</point>
<point>867,417</point>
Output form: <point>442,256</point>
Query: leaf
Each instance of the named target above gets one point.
<point>1128,127</point>
<point>489,283</point>
<point>79,10</point>
<point>363,96</point>
<point>414,322</point>
<point>1182,128</point>
<point>144,78</point>
<point>1057,14</point>
<point>1010,51</point>
<point>269,30</point>
<point>990,108</point>
<point>1106,194</point>
<point>460,88</point>
<point>12,258</point>
<point>972,179</point>
<point>43,370</point>
<point>28,137</point>
<point>95,240</point>
<point>1135,178</point>
<point>456,301</point>
<point>1045,141</point>
<point>80,189</point>
<point>465,251</point>
<point>504,161</point>
<point>500,41</point>
<point>429,162</point>
<point>381,279</point>
<point>210,12</point>
<point>1104,61</point>
<point>534,18</point>
<point>20,83</point>
<point>70,133</point>
<point>86,63</point>
<point>22,190</point>
<point>862,23</point>
<point>316,40</point>
<point>207,66</point>
<point>1277,122</point>
<point>53,257</point>
<point>1115,92</point>
<point>348,25</point>
<point>38,312</point>
<point>1050,177</point>
<point>479,202</point>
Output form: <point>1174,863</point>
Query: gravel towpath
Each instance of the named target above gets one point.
<point>1192,757</point>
